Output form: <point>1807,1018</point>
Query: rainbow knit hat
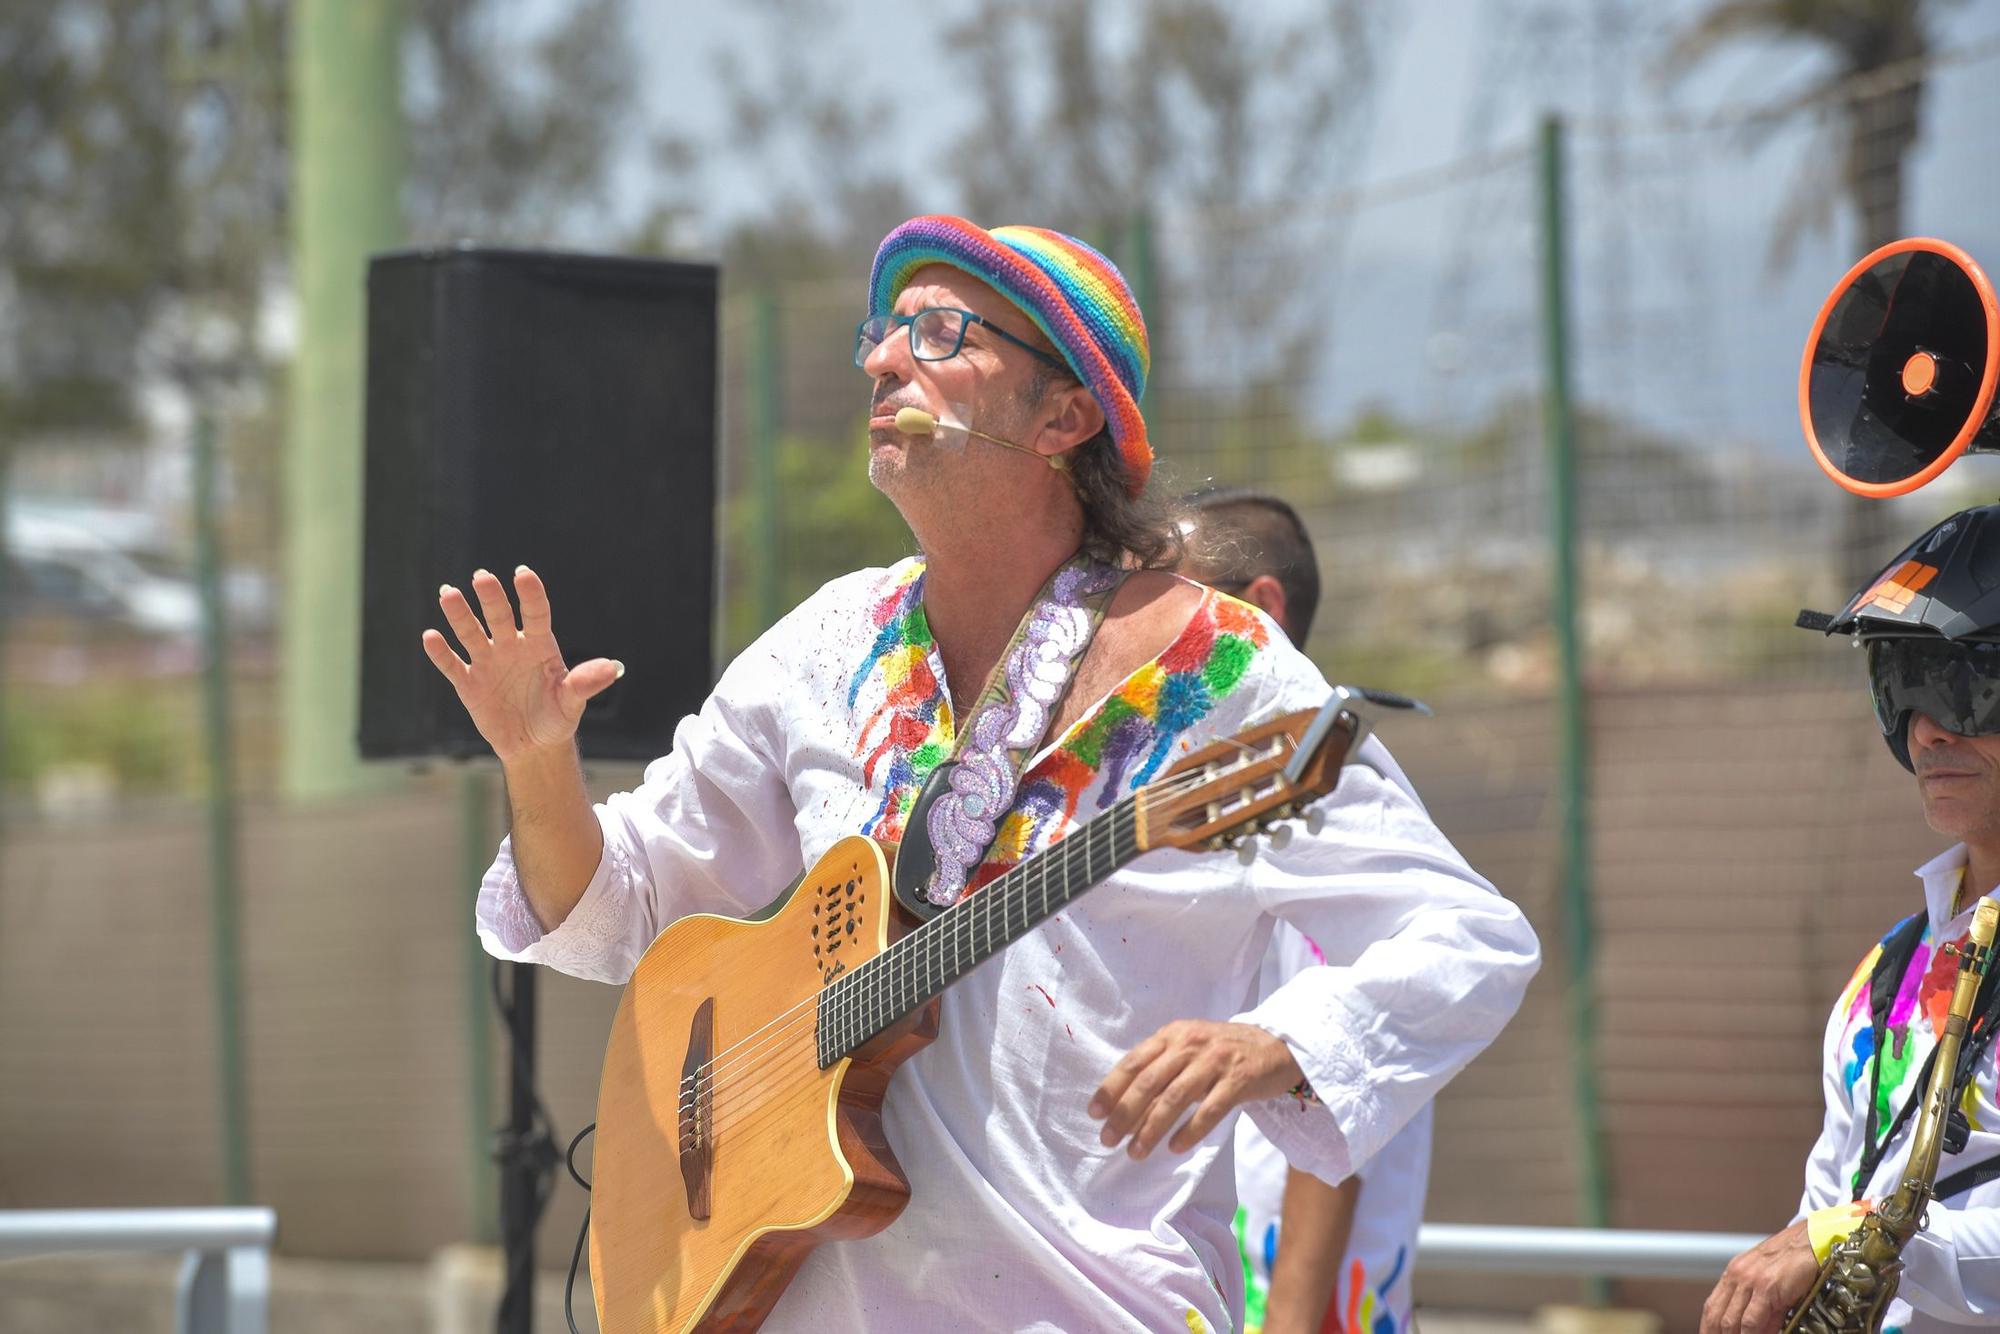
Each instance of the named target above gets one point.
<point>1073,294</point>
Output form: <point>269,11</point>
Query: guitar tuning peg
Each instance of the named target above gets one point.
<point>1315,821</point>
<point>1246,851</point>
<point>1281,837</point>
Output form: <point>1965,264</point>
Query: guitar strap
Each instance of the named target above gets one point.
<point>958,812</point>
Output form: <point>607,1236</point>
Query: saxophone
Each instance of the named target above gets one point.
<point>1863,1268</point>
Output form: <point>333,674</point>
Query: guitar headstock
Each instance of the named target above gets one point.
<point>1251,782</point>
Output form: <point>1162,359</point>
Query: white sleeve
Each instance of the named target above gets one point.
<point>1425,963</point>
<point>1827,1171</point>
<point>1952,1267</point>
<point>710,829</point>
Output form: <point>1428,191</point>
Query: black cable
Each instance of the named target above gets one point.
<point>575,1256</point>
<point>569,1155</point>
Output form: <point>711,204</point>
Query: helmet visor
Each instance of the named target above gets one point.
<point>1956,684</point>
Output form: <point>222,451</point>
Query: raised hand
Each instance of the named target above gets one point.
<point>521,697</point>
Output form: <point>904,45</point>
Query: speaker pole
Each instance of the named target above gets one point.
<point>526,1153</point>
<point>476,843</point>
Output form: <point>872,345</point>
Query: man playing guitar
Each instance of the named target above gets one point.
<point>1007,366</point>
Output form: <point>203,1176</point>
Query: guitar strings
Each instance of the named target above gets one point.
<point>743,1083</point>
<point>869,981</point>
<point>727,1060</point>
<point>731,1059</point>
<point>871,987</point>
<point>745,1105</point>
<point>764,1038</point>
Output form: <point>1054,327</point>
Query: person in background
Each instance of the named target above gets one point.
<point>1347,1250</point>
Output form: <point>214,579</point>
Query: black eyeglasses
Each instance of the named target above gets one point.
<point>937,333</point>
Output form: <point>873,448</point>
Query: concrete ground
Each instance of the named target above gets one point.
<point>457,1293</point>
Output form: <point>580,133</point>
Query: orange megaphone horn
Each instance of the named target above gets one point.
<point>1899,375</point>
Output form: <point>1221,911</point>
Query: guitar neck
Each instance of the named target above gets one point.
<point>869,999</point>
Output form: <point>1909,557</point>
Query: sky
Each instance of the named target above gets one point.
<point>1699,335</point>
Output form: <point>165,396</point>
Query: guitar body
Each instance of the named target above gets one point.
<point>723,1152</point>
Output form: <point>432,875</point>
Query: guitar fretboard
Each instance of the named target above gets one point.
<point>863,1002</point>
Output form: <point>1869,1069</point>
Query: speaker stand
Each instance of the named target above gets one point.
<point>526,1153</point>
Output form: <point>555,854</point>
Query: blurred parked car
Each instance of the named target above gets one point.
<point>109,566</point>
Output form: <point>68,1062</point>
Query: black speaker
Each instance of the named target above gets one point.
<point>1899,373</point>
<point>551,410</point>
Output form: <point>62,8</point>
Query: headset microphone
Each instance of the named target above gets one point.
<point>916,421</point>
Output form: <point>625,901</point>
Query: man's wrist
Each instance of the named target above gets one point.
<point>540,766</point>
<point>1297,1084</point>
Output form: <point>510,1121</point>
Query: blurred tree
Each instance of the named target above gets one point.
<point>511,139</point>
<point>1088,118</point>
<point>832,518</point>
<point>143,159</point>
<point>1873,86</point>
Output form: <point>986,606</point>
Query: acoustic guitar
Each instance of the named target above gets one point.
<point>739,1117</point>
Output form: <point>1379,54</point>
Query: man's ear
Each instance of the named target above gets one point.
<point>1069,416</point>
<point>1267,595</point>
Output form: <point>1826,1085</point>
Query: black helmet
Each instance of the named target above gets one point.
<point>1931,623</point>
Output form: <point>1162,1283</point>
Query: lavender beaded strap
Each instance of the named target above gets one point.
<point>1010,719</point>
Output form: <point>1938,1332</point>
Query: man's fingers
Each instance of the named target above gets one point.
<point>1732,1316</point>
<point>534,598</point>
<point>1221,1098</point>
<point>493,605</point>
<point>442,658</point>
<point>458,614</point>
<point>1760,1313</point>
<point>1166,1110</point>
<point>1145,1086</point>
<point>1711,1310</point>
<point>1121,1076</point>
<point>586,680</point>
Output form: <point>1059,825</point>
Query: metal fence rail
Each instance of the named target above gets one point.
<point>1605,1252</point>
<point>225,1278</point>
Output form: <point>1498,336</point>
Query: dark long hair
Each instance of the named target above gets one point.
<point>1119,528</point>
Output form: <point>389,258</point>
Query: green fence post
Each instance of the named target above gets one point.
<point>347,171</point>
<point>1144,279</point>
<point>224,885</point>
<point>1559,429</point>
<point>765,425</point>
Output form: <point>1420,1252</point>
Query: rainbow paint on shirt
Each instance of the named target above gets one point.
<point>1128,738</point>
<point>1923,992</point>
<point>1366,1310</point>
<point>905,735</point>
<point>1121,744</point>
<point>1361,1315</point>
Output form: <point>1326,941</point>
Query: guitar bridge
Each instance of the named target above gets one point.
<point>697,1110</point>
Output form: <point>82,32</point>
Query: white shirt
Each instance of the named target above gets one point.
<point>1952,1268</point>
<point>1373,1294</point>
<point>1019,1219</point>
